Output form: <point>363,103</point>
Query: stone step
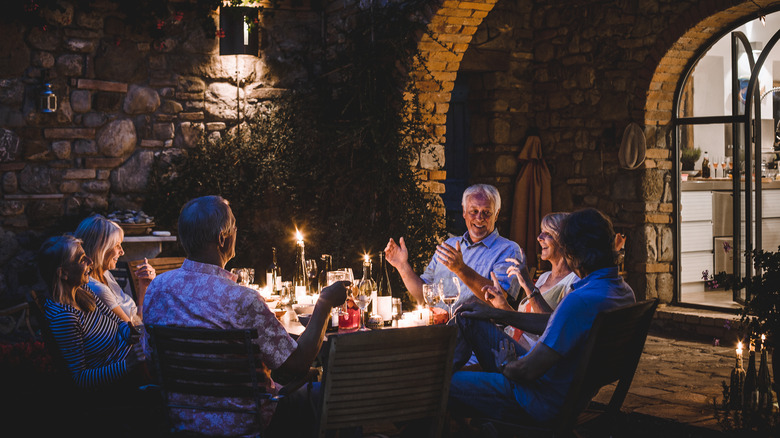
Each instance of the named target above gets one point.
<point>719,328</point>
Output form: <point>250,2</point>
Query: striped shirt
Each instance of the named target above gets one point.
<point>93,344</point>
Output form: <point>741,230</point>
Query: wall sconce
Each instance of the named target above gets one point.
<point>47,100</point>
<point>237,37</point>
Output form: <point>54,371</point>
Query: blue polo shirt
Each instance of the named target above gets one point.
<point>486,256</point>
<point>566,332</point>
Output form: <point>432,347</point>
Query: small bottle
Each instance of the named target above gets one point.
<point>300,288</point>
<point>705,166</point>
<point>764,383</point>
<point>271,275</point>
<point>750,392</point>
<point>737,384</point>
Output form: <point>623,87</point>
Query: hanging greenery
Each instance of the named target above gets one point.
<point>334,160</point>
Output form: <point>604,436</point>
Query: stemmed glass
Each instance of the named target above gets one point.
<point>362,297</point>
<point>723,166</point>
<point>431,294</point>
<point>450,294</point>
<point>715,165</point>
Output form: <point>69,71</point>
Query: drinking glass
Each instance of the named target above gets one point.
<point>450,293</point>
<point>334,276</point>
<point>362,298</point>
<point>723,166</point>
<point>431,293</point>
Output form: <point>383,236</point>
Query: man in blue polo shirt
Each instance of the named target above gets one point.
<point>536,383</point>
<point>470,258</point>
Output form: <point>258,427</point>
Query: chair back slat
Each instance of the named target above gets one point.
<point>611,354</point>
<point>387,375</point>
<point>160,265</point>
<point>209,362</point>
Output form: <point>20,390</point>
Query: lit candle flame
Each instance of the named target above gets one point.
<point>366,258</point>
<point>739,349</point>
<point>298,236</point>
<point>763,338</point>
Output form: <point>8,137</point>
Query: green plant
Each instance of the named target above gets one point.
<point>688,157</point>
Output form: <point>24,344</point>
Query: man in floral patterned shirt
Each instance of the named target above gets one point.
<point>203,294</point>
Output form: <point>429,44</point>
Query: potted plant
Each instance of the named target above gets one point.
<point>689,157</point>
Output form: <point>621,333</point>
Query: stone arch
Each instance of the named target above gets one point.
<point>449,33</point>
<point>672,56</point>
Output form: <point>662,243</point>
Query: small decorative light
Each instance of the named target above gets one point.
<point>47,99</point>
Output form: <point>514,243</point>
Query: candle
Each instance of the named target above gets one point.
<point>739,350</point>
<point>298,237</point>
<point>763,338</point>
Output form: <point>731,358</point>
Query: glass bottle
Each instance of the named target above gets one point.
<point>299,276</point>
<point>764,383</point>
<point>273,275</point>
<point>737,383</point>
<point>705,166</point>
<point>327,265</point>
<point>367,285</point>
<point>750,393</point>
<point>384,294</point>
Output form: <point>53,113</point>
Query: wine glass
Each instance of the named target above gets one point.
<point>450,293</point>
<point>362,298</point>
<point>715,165</point>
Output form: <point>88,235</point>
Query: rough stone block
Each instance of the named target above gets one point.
<point>70,65</point>
<point>61,149</point>
<point>79,174</point>
<point>104,163</point>
<point>117,138</point>
<point>10,182</point>
<point>70,186</point>
<point>93,84</point>
<point>81,100</point>
<point>141,100</point>
<point>163,131</point>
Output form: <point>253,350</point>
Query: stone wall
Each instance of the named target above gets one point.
<point>124,97</point>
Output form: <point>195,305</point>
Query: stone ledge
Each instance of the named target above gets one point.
<point>697,324</point>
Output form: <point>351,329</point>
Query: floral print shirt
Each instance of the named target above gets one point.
<point>207,296</point>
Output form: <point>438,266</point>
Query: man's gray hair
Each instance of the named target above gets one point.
<point>486,190</point>
<point>202,221</point>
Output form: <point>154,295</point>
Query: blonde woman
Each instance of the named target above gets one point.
<point>544,295</point>
<point>102,241</point>
<point>96,345</point>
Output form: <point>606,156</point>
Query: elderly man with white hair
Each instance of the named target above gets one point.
<point>471,258</point>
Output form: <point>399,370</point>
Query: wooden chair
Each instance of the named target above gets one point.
<point>160,265</point>
<point>382,376</point>
<point>210,362</point>
<point>612,352</point>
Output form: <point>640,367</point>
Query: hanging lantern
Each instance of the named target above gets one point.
<point>47,99</point>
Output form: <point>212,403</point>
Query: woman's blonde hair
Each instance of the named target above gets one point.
<point>552,224</point>
<point>53,255</point>
<point>98,236</point>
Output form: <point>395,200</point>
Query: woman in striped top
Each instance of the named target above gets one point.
<point>96,345</point>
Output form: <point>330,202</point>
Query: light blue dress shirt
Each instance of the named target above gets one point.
<point>486,256</point>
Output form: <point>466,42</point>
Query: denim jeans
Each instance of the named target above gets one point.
<point>481,337</point>
<point>481,394</point>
